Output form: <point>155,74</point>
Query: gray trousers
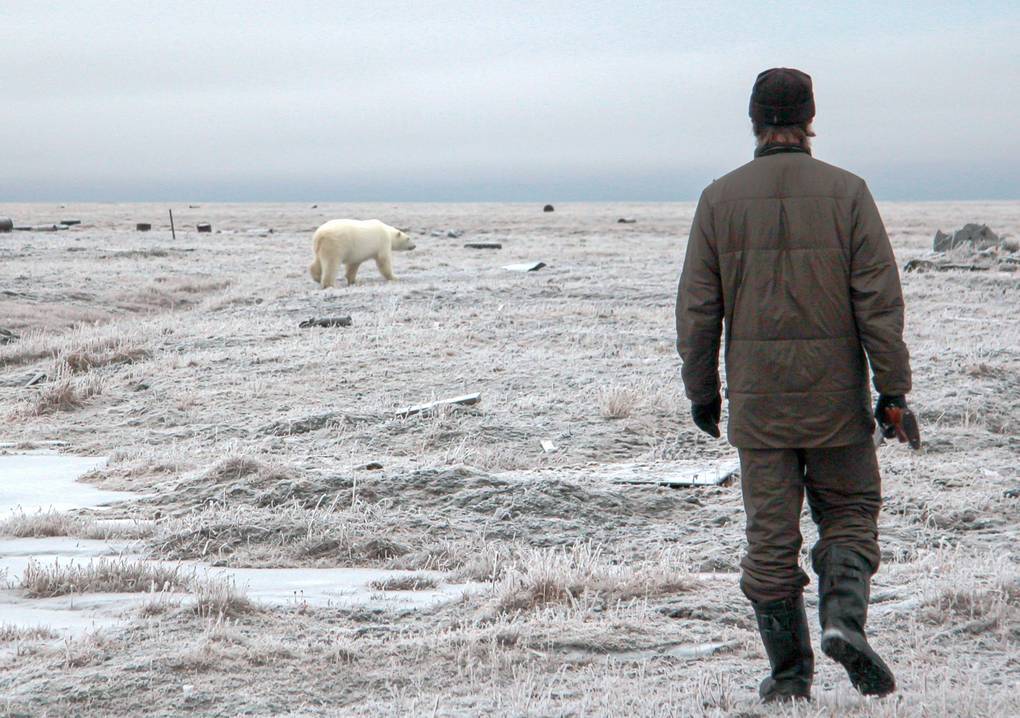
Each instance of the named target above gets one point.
<point>844,493</point>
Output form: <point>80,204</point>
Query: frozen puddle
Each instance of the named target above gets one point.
<point>36,482</point>
<point>39,482</point>
<point>15,553</point>
<point>337,587</point>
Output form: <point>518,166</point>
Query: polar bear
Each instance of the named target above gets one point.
<point>351,242</point>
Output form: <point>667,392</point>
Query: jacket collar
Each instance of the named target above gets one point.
<point>776,149</point>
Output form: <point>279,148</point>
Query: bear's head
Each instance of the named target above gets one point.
<point>400,241</point>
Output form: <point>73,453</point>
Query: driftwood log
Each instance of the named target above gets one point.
<point>326,322</point>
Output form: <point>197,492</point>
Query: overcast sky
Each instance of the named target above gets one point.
<point>536,101</point>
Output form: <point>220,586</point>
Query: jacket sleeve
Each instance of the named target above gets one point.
<point>699,310</point>
<point>877,297</point>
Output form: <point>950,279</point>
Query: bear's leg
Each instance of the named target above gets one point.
<point>352,272</point>
<point>385,265</point>
<point>330,267</point>
<point>316,271</point>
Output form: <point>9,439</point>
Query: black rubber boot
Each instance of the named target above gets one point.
<point>844,587</point>
<point>784,631</point>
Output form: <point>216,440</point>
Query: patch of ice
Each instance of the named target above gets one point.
<point>337,587</point>
<point>60,546</point>
<point>40,482</point>
<point>16,553</point>
<point>68,615</point>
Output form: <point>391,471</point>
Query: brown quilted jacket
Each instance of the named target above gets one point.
<point>790,255</point>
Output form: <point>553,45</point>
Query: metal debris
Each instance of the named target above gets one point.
<point>465,400</point>
<point>526,267</point>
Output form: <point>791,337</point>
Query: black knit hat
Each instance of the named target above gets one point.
<point>782,96</point>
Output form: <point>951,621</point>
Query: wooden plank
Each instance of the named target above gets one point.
<point>658,473</point>
<point>483,245</point>
<point>465,400</point>
<point>672,473</point>
<point>326,322</point>
<point>36,379</point>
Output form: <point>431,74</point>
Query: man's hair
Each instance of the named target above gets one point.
<point>784,134</point>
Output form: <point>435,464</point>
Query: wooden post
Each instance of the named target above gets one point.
<point>173,233</point>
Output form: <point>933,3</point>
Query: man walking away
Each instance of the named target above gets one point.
<point>790,256</point>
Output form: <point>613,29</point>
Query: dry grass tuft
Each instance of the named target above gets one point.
<point>85,359</point>
<point>645,398</point>
<point>32,346</point>
<point>617,402</point>
<point>101,576</point>
<point>140,466</point>
<point>265,652</point>
<point>486,563</point>
<point>10,633</point>
<point>40,524</point>
<point>221,598</point>
<point>238,467</point>
<point>579,576</point>
<point>159,604</point>
<point>169,293</point>
<point>344,651</point>
<point>413,582</point>
<point>982,609</point>
<point>221,645</point>
<point>48,523</point>
<point>88,650</point>
<point>276,535</point>
<point>65,394</point>
<point>467,559</point>
<point>82,348</point>
<point>235,467</point>
<point>114,529</point>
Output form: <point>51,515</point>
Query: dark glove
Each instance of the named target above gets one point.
<point>706,416</point>
<point>886,401</point>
